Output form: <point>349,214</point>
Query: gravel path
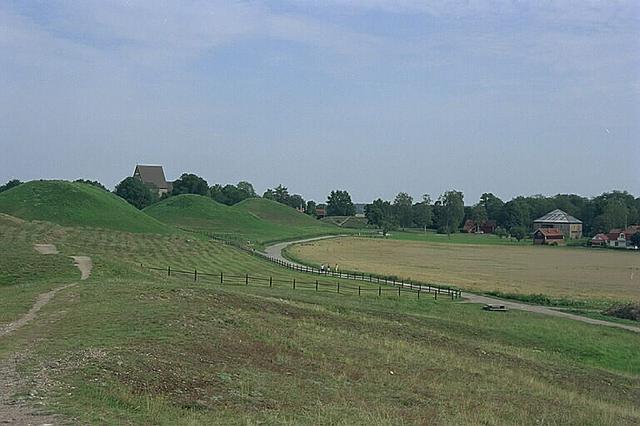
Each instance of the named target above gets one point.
<point>20,411</point>
<point>275,251</point>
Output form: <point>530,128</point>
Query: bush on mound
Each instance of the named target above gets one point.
<point>629,311</point>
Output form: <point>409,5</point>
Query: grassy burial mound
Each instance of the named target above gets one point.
<point>76,204</point>
<point>142,347</point>
<point>255,220</point>
<point>276,213</point>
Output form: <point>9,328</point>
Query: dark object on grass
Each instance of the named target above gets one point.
<point>627,311</point>
<point>499,308</point>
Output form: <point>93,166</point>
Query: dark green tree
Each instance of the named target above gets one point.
<point>451,211</point>
<point>635,239</point>
<point>246,189</point>
<point>519,232</point>
<point>339,204</point>
<point>381,214</point>
<point>311,208</point>
<point>422,212</point>
<point>190,184</point>
<point>11,184</point>
<point>135,192</point>
<point>402,205</point>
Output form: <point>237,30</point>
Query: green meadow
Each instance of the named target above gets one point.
<point>132,345</point>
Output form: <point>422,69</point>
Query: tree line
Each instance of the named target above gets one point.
<point>615,209</point>
<point>447,214</point>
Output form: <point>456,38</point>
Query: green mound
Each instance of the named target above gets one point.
<point>76,204</point>
<point>254,220</point>
<point>202,213</point>
<point>274,212</point>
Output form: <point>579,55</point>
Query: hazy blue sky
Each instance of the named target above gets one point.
<point>374,96</point>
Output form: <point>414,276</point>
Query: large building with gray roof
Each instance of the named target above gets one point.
<point>570,226</point>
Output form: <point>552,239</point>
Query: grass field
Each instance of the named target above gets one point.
<point>133,346</point>
<point>255,220</point>
<point>578,273</point>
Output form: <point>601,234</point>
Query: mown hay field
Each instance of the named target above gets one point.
<point>555,271</point>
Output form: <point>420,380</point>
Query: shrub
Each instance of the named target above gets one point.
<point>627,311</point>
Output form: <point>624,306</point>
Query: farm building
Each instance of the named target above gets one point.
<point>154,177</point>
<point>599,240</point>
<point>473,227</point>
<point>321,211</point>
<point>570,227</point>
<point>621,238</point>
<point>548,236</point>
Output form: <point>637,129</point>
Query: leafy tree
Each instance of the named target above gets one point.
<point>190,184</point>
<point>381,214</point>
<point>501,232</point>
<point>92,183</point>
<point>280,194</point>
<point>422,212</point>
<point>451,211</point>
<point>519,232</point>
<point>402,205</point>
<point>135,192</point>
<point>635,239</point>
<point>516,213</point>
<point>479,214</point>
<point>311,208</point>
<point>296,201</point>
<point>246,189</point>
<point>339,204</point>
<point>11,184</point>
<point>493,206</point>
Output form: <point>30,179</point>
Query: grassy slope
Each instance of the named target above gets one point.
<point>256,220</point>
<point>76,204</point>
<point>131,346</point>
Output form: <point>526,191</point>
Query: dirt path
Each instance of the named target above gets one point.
<point>275,251</point>
<point>20,411</point>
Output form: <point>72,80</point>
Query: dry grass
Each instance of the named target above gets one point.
<point>559,272</point>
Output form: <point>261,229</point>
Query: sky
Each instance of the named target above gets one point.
<point>371,96</point>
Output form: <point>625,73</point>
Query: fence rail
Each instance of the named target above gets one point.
<point>318,285</point>
<point>348,275</point>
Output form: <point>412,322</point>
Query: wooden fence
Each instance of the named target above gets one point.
<point>371,287</point>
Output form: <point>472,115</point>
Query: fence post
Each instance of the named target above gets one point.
<point>399,288</point>
<point>246,279</point>
<point>338,286</point>
<point>379,290</point>
<point>168,271</point>
<point>358,290</point>
<point>221,278</point>
<point>270,282</point>
<point>418,293</point>
<point>294,283</point>
<point>195,275</point>
<point>316,285</point>
<point>435,295</point>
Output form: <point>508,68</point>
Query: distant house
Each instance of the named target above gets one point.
<point>621,238</point>
<point>473,227</point>
<point>321,211</point>
<point>548,236</point>
<point>570,227</point>
<point>153,176</point>
<point>599,240</point>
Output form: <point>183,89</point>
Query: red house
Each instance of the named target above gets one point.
<point>548,236</point>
